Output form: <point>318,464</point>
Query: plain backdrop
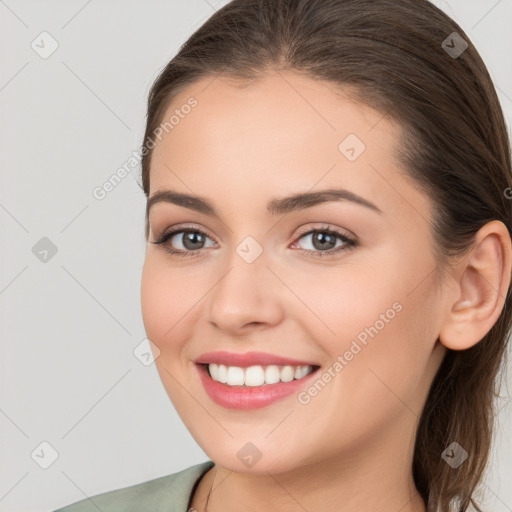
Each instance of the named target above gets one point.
<point>71,264</point>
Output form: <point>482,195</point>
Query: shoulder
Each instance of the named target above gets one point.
<point>170,493</point>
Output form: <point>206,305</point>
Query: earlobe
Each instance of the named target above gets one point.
<point>484,279</point>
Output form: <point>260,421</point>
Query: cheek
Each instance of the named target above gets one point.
<point>166,302</point>
<point>343,304</point>
<point>385,357</point>
<point>382,335</point>
<point>168,316</point>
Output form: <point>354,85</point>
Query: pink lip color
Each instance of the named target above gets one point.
<point>238,397</point>
<point>249,359</point>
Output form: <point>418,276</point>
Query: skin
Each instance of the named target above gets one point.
<point>351,447</point>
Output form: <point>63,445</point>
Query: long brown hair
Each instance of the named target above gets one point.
<point>394,56</point>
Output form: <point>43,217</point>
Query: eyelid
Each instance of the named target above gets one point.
<point>324,226</point>
<point>184,227</point>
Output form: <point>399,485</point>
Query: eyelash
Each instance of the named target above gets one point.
<point>350,243</point>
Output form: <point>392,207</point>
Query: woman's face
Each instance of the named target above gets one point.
<point>260,280</point>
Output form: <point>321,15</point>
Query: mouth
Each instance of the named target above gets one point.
<point>253,387</point>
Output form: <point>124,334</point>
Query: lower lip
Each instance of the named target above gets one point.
<point>248,397</point>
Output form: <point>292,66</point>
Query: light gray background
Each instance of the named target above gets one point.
<point>70,325</point>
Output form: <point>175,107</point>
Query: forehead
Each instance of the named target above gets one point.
<point>278,134</point>
<point>279,109</point>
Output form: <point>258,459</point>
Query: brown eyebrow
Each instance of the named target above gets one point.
<point>278,206</point>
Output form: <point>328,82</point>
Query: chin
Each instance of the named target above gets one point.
<point>258,458</point>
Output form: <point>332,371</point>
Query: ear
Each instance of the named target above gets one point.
<point>483,279</point>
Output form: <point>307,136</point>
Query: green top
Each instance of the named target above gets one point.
<point>170,493</point>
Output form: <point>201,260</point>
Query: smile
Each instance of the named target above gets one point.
<point>236,394</point>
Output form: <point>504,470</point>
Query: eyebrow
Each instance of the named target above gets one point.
<point>277,206</point>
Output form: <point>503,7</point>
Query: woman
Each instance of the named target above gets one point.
<point>326,282</point>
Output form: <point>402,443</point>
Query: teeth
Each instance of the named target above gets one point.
<point>254,376</point>
<point>257,375</point>
<point>235,376</point>
<point>272,374</point>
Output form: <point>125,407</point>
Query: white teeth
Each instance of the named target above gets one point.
<point>235,376</point>
<point>254,376</point>
<point>287,373</point>
<point>257,375</point>
<point>272,374</point>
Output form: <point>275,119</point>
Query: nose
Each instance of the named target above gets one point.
<point>247,296</point>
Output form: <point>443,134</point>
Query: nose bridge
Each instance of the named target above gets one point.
<point>246,292</point>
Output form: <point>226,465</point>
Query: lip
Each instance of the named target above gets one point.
<point>249,359</point>
<point>249,397</point>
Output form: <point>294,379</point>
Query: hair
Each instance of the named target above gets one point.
<point>454,146</point>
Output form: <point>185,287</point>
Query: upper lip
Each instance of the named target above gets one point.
<point>249,359</point>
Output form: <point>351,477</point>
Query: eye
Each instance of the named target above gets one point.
<point>323,241</point>
<point>191,241</point>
